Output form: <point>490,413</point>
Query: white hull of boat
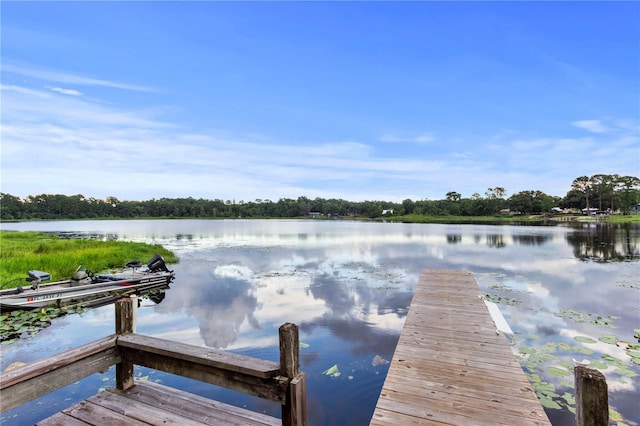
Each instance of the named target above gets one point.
<point>63,293</point>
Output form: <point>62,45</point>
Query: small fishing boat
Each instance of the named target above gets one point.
<point>88,289</point>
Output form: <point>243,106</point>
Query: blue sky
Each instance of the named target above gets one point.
<point>353,100</point>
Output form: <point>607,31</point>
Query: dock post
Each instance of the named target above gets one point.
<point>592,400</point>
<point>125,324</point>
<point>294,411</point>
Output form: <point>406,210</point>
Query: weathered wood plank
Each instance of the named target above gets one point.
<point>200,368</point>
<point>205,356</point>
<point>508,405</point>
<point>42,366</point>
<point>126,310</point>
<point>139,411</point>
<point>61,419</point>
<point>450,366</point>
<point>197,408</point>
<point>148,403</point>
<point>98,416</point>
<point>40,377</point>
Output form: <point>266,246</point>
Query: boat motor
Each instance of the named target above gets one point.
<point>80,277</point>
<point>157,263</point>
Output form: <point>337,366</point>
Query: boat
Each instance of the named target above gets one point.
<point>86,289</point>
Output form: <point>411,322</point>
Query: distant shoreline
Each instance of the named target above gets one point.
<point>493,220</point>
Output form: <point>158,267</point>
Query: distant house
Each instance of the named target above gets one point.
<point>315,214</point>
<point>556,210</point>
<point>592,211</point>
<point>635,209</point>
<point>385,212</point>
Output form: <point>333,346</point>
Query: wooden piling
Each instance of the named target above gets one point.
<point>592,399</point>
<point>125,324</point>
<point>294,411</point>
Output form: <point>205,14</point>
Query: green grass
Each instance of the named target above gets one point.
<point>633,218</point>
<point>24,251</point>
<point>415,218</point>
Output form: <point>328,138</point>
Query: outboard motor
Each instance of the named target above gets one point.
<point>80,277</point>
<point>157,263</point>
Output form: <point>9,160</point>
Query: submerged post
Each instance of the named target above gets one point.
<point>592,399</point>
<point>125,324</point>
<point>294,411</point>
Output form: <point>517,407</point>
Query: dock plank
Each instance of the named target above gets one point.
<point>451,367</point>
<point>148,403</point>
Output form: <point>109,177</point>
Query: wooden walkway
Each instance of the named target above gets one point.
<point>451,367</point>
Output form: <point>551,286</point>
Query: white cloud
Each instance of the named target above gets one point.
<point>70,92</point>
<point>23,90</point>
<point>140,154</point>
<point>68,78</point>
<point>424,138</point>
<point>593,126</point>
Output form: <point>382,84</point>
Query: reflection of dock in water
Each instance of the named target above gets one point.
<point>451,367</point>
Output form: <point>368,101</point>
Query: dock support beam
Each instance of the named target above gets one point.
<point>125,323</point>
<point>592,400</point>
<point>294,411</point>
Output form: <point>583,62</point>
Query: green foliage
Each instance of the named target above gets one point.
<point>23,251</point>
<point>604,191</point>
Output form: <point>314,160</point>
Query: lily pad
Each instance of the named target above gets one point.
<point>558,372</point>
<point>609,338</point>
<point>569,398</point>
<point>612,361</point>
<point>567,365</point>
<point>332,371</point>
<point>584,339</point>
<point>625,372</point>
<point>635,356</point>
<point>549,403</point>
<point>598,365</point>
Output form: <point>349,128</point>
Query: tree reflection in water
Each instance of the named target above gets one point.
<point>604,242</point>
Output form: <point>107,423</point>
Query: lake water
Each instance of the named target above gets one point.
<point>568,292</point>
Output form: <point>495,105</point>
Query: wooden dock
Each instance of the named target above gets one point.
<point>451,366</point>
<point>135,402</point>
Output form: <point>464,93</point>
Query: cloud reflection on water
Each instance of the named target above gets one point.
<point>349,285</point>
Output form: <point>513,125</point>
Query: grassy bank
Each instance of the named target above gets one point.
<point>24,251</point>
<point>414,218</point>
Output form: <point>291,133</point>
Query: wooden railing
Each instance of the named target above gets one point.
<point>282,381</point>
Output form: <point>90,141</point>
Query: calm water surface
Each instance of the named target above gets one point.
<point>348,285</point>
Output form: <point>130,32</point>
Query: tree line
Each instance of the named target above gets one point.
<point>603,192</point>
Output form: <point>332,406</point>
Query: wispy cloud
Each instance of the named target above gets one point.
<point>69,92</point>
<point>420,139</point>
<point>140,154</point>
<point>23,90</point>
<point>68,78</point>
<point>593,126</point>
